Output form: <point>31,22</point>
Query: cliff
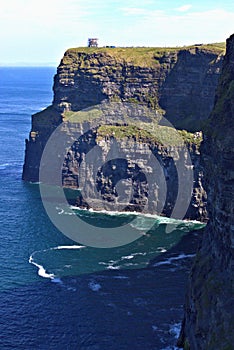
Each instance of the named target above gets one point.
<point>126,168</point>
<point>181,81</point>
<point>209,316</point>
<point>177,83</point>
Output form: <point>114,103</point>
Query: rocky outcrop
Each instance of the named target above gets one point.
<point>156,78</point>
<point>209,315</point>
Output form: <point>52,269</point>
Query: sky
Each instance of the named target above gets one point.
<point>38,32</point>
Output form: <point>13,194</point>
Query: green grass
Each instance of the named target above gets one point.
<point>114,112</point>
<point>151,134</point>
<point>82,116</point>
<point>139,56</point>
<point>215,47</point>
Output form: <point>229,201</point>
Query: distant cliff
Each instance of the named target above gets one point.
<point>209,311</point>
<point>176,83</point>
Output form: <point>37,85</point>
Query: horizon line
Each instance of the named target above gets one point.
<point>29,64</point>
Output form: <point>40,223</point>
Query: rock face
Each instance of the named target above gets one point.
<point>125,175</point>
<point>187,95</point>
<point>179,84</point>
<point>209,315</point>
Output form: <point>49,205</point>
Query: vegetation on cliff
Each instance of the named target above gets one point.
<point>123,126</point>
<point>150,134</point>
<point>141,56</point>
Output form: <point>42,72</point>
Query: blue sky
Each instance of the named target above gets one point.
<point>39,31</point>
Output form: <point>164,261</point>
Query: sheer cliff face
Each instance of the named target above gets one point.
<point>181,82</point>
<point>178,83</point>
<point>209,318</point>
<point>122,174</point>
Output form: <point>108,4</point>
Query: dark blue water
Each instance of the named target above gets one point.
<point>55,294</point>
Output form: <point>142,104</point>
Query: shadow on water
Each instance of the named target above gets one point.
<point>112,309</point>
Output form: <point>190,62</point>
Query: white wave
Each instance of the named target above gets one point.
<point>161,250</point>
<point>128,257</point>
<point>169,261</point>
<point>111,267</point>
<point>68,247</point>
<point>161,219</point>
<point>135,254</point>
<point>110,212</point>
<point>41,270</point>
<point>94,286</point>
<point>114,264</point>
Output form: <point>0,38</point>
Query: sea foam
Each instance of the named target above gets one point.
<point>170,261</point>
<point>144,221</point>
<point>42,270</point>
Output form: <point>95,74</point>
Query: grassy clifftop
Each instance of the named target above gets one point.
<point>143,56</point>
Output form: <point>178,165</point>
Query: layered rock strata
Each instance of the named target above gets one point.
<point>182,82</point>
<point>123,173</point>
<point>156,78</point>
<point>209,315</point>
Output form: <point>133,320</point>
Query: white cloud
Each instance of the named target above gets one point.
<point>184,8</point>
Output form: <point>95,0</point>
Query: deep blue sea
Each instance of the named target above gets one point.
<point>57,294</point>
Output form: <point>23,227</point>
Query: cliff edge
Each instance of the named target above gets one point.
<point>209,315</point>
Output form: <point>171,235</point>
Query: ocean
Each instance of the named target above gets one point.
<point>59,294</point>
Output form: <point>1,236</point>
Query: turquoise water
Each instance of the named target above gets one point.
<point>71,260</point>
<point>57,294</point>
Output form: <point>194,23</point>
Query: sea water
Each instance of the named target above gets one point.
<point>59,294</point>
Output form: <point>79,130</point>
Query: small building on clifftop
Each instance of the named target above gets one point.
<point>92,42</point>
